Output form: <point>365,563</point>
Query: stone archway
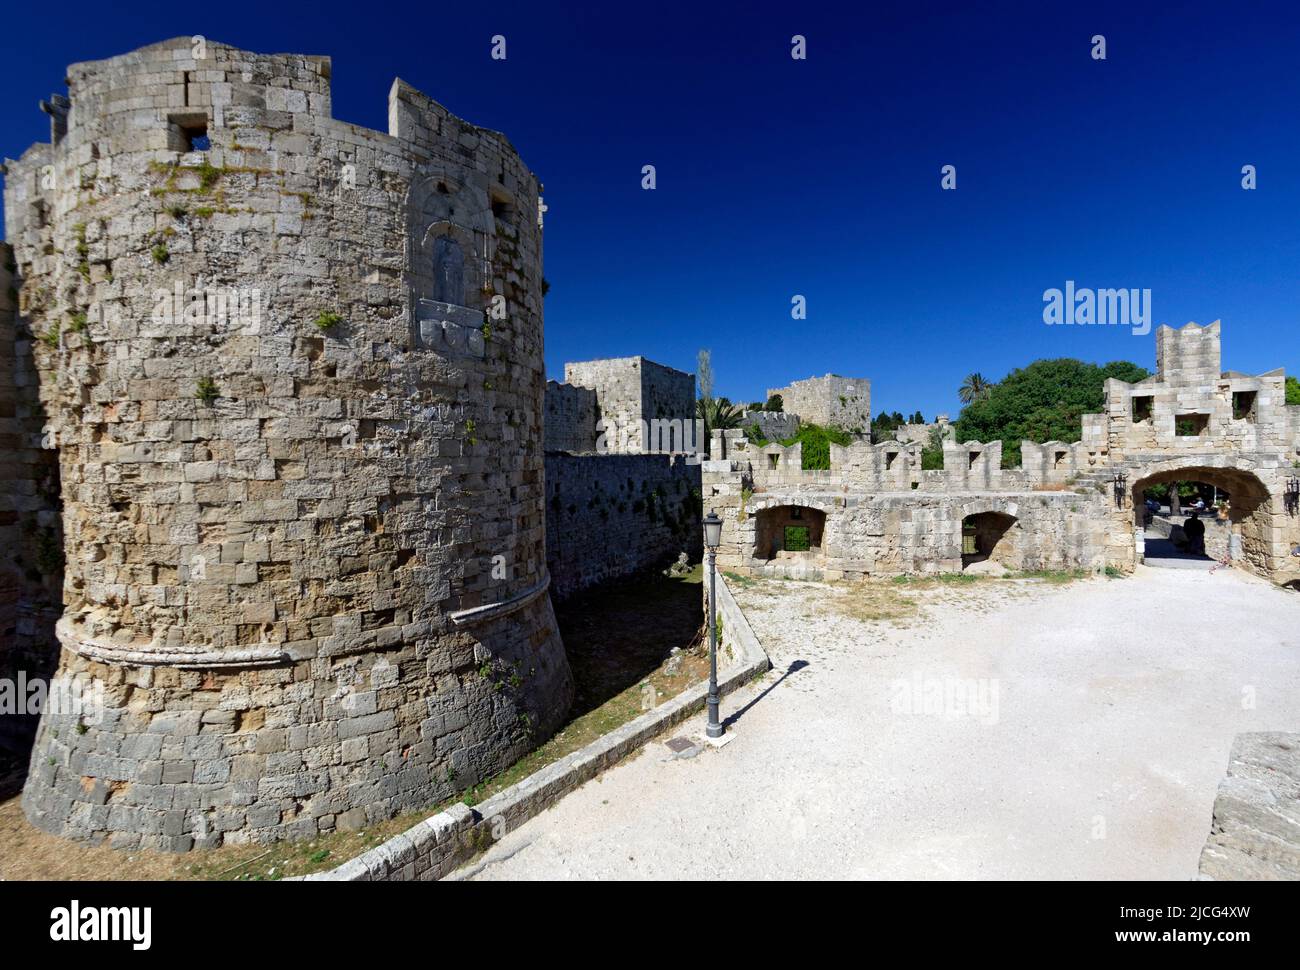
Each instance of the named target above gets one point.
<point>1248,540</point>
<point>989,536</point>
<point>788,532</point>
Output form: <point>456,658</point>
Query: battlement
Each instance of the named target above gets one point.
<point>1191,406</point>
<point>1190,355</point>
<point>293,372</point>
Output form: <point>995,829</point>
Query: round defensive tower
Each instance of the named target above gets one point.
<point>293,370</point>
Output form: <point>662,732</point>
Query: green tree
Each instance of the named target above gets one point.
<point>932,453</point>
<point>775,403</point>
<point>974,388</point>
<point>1292,390</point>
<point>883,428</point>
<point>1041,402</point>
<point>704,374</point>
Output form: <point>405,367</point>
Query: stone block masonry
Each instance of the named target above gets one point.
<point>304,527</point>
<point>844,402</point>
<point>31,570</point>
<point>630,390</point>
<point>613,516</point>
<point>772,425</point>
<point>570,418</point>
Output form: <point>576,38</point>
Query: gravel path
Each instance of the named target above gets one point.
<point>1013,729</point>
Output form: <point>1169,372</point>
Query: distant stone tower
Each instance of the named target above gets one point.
<point>293,370</point>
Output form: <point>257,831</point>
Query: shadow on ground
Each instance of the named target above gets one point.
<point>620,633</point>
<point>794,668</point>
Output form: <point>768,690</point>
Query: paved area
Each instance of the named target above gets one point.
<point>1009,730</point>
<point>1161,553</point>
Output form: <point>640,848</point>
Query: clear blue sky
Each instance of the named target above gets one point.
<point>821,177</point>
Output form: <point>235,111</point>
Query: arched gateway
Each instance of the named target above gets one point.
<point>1246,516</point>
<point>1067,506</point>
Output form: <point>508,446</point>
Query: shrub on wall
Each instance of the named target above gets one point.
<point>817,440</point>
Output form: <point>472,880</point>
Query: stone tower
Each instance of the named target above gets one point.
<point>293,372</point>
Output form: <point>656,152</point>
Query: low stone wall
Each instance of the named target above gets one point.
<point>912,532</point>
<point>1255,831</point>
<point>612,516</point>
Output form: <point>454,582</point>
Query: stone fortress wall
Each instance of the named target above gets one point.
<point>304,541</point>
<point>613,516</point>
<point>618,505</point>
<point>31,570</point>
<point>772,425</point>
<point>1069,506</point>
<point>571,416</point>
<point>274,391</point>
<point>844,402</point>
<point>921,433</point>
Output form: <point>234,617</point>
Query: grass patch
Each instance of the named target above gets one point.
<point>875,601</point>
<point>1057,577</point>
<point>743,582</point>
<point>930,580</point>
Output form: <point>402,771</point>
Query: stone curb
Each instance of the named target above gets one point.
<point>436,846</point>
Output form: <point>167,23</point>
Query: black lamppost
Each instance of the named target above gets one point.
<point>712,539</point>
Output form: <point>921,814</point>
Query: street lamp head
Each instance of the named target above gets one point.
<point>712,529</point>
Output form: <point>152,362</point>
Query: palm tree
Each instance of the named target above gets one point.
<point>717,413</point>
<point>974,388</point>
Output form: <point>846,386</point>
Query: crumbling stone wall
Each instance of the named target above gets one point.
<point>613,516</point>
<point>304,536</point>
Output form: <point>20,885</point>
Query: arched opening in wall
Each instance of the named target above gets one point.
<point>1197,516</point>
<point>789,532</point>
<point>988,537</point>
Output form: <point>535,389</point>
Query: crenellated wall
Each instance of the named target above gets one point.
<point>1068,505</point>
<point>772,425</point>
<point>294,375</point>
